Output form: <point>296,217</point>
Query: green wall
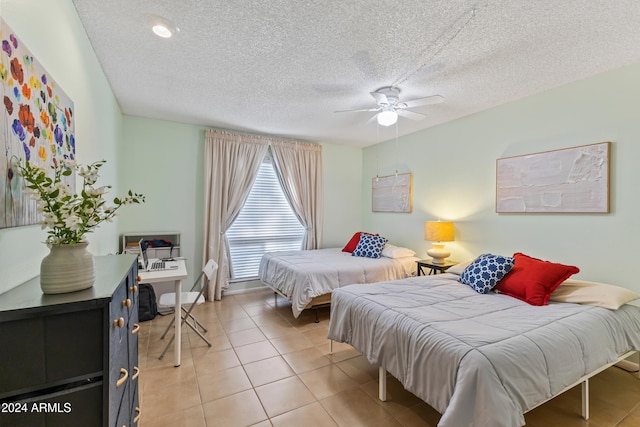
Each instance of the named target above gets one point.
<point>53,33</point>
<point>165,161</point>
<point>453,168</point>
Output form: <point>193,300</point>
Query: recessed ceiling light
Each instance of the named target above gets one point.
<point>160,26</point>
<point>161,31</point>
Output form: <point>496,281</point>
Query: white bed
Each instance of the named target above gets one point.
<point>480,359</point>
<point>307,278</point>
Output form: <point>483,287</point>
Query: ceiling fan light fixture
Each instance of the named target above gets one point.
<point>387,117</point>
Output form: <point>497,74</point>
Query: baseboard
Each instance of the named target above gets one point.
<point>245,290</point>
<point>628,366</point>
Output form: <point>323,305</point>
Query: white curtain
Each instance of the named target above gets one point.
<point>299,169</point>
<point>231,165</point>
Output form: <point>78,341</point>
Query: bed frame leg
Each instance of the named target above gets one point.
<point>317,318</point>
<point>382,384</point>
<point>330,346</point>
<point>585,399</point>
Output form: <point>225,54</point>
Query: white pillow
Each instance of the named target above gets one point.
<point>391,251</point>
<point>593,293</point>
<point>459,268</point>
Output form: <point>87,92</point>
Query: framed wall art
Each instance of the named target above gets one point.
<point>36,125</point>
<point>391,193</point>
<point>570,180</point>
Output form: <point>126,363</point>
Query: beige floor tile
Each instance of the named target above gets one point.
<point>309,415</point>
<point>338,351</point>
<point>229,310</point>
<point>632,419</point>
<point>274,330</point>
<point>248,336</point>
<point>419,415</point>
<point>327,381</point>
<point>240,409</point>
<point>398,399</point>
<point>290,343</point>
<point>354,407</point>
<point>284,395</point>
<point>167,375</point>
<point>215,361</point>
<point>269,318</point>
<point>359,369</point>
<point>256,351</point>
<point>191,417</point>
<point>223,383</point>
<point>235,325</point>
<point>268,370</point>
<point>253,298</point>
<point>306,360</point>
<point>317,336</point>
<point>257,310</point>
<point>166,400</point>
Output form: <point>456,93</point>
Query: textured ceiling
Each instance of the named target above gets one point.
<point>283,67</point>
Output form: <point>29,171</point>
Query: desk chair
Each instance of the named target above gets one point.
<point>188,303</point>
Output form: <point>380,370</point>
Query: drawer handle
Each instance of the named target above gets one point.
<point>134,288</point>
<point>124,377</point>
<point>137,417</point>
<point>118,323</point>
<point>126,303</point>
<point>136,371</point>
<point>135,329</point>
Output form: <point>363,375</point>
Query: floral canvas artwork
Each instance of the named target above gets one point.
<point>36,125</point>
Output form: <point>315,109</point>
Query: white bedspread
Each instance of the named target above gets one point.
<point>479,360</point>
<point>304,275</point>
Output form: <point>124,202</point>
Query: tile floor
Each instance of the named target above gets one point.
<point>266,368</point>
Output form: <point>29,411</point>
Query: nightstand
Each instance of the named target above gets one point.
<point>433,268</point>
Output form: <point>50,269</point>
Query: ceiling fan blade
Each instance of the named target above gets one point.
<point>410,114</point>
<point>380,98</point>
<point>429,100</point>
<point>357,111</point>
<point>372,118</point>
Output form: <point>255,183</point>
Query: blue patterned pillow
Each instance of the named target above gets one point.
<point>370,246</point>
<point>486,271</point>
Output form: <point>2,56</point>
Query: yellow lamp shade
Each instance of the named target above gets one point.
<point>438,231</point>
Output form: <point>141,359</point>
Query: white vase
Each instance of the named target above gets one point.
<point>67,268</point>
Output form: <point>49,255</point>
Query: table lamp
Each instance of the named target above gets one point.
<point>438,231</point>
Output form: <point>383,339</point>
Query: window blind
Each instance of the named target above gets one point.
<point>266,223</point>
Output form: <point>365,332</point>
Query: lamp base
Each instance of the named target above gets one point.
<point>438,253</point>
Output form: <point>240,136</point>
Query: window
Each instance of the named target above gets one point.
<point>266,223</point>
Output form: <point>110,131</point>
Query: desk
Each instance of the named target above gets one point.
<point>175,275</point>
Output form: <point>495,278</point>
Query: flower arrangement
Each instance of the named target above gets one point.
<point>69,216</point>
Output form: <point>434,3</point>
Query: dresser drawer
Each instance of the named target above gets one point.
<point>23,365</point>
<point>75,344</point>
<point>80,406</point>
<point>51,349</point>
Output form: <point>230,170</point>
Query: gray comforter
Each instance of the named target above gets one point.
<point>479,360</point>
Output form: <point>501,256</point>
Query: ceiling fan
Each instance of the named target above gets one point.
<point>390,107</point>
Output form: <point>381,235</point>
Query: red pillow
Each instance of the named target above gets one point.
<point>532,280</point>
<point>353,243</point>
